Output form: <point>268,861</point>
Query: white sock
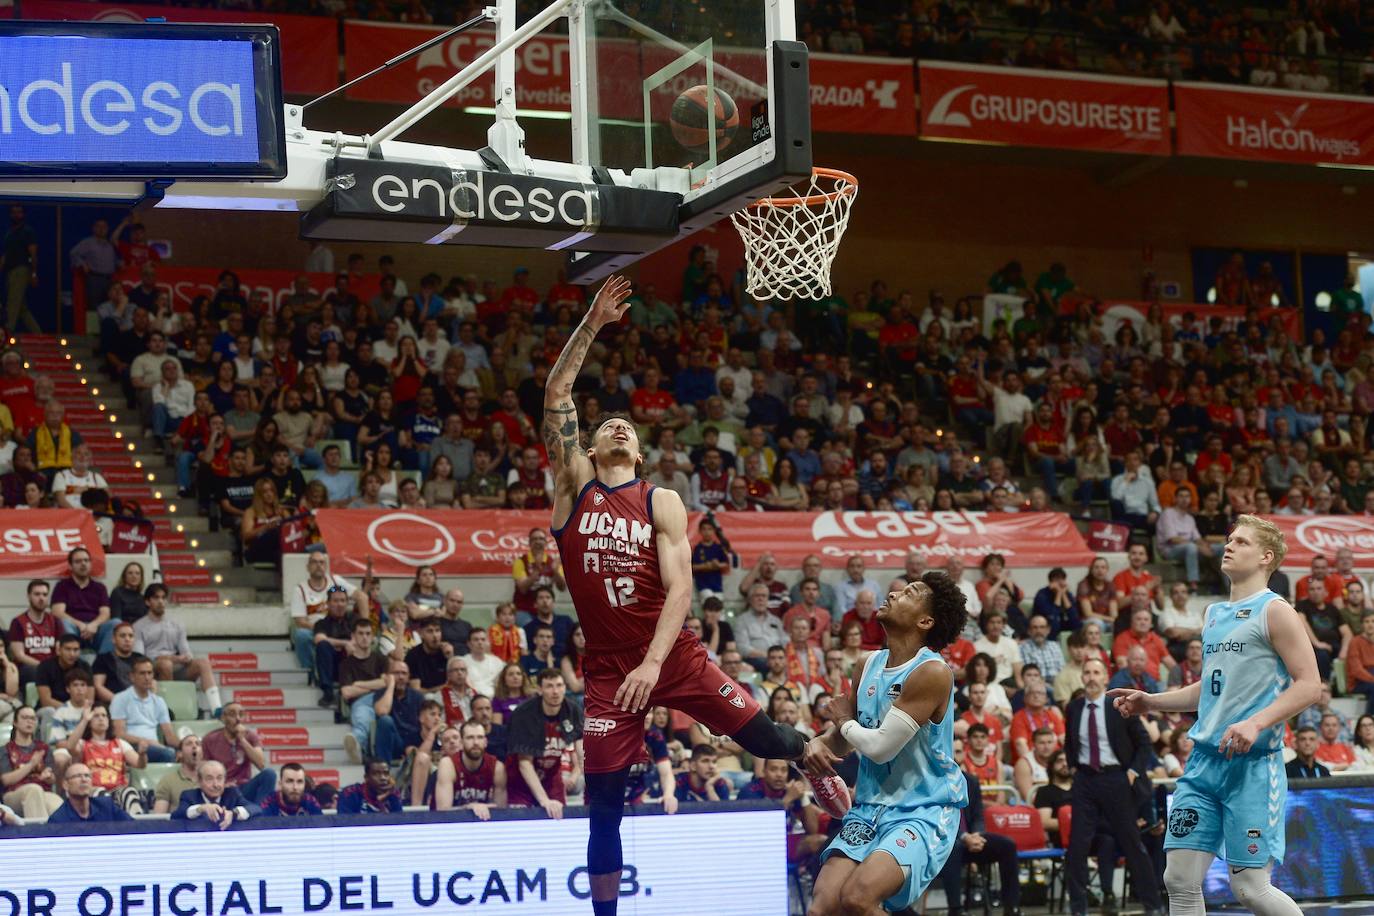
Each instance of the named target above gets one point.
<point>1253,890</point>
<point>212,696</point>
<point>1183,879</point>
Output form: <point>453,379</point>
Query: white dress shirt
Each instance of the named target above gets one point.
<point>1106,757</point>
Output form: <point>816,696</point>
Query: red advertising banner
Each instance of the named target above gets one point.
<point>1322,535</point>
<point>1038,108</point>
<point>186,283</point>
<point>848,94</point>
<point>486,543</point>
<point>1115,312</point>
<point>310,44</point>
<point>35,544</point>
<point>1238,122</point>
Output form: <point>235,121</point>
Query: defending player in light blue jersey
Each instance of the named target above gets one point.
<point>899,716</point>
<point>1258,671</point>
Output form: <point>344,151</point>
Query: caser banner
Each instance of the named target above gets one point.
<point>848,94</point>
<point>486,543</point>
<point>309,44</point>
<point>35,544</point>
<point>1308,536</point>
<point>986,104</point>
<point>1240,122</point>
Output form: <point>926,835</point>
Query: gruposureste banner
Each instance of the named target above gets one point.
<point>487,542</point>
<point>1240,122</point>
<point>1009,105</point>
<point>35,544</point>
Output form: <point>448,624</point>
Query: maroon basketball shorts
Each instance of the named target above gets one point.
<point>614,739</point>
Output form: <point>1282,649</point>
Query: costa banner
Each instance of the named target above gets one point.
<point>186,283</point>
<point>487,542</point>
<point>1238,122</point>
<point>1039,108</point>
<point>35,544</point>
<point>1308,536</point>
<point>848,94</point>
<point>310,44</point>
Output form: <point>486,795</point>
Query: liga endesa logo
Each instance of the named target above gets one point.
<point>1327,534</point>
<point>1136,121</point>
<point>411,539</point>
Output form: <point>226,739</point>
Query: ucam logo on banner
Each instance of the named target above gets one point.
<point>985,104</point>
<point>185,283</point>
<point>397,865</point>
<point>1240,122</point>
<point>35,544</point>
<point>487,542</point>
<point>1308,536</point>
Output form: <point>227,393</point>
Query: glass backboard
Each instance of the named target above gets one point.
<point>653,68</point>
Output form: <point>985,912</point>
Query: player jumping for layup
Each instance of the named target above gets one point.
<point>629,569</point>
<point>899,716</point>
<point>1258,671</point>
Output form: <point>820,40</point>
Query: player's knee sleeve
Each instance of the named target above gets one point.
<point>1183,876</point>
<point>606,804</point>
<point>1254,892</point>
<point>769,740</point>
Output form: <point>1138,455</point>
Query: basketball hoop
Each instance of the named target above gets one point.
<point>790,241</point>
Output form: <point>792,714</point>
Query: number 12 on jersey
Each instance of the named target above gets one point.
<point>620,592</point>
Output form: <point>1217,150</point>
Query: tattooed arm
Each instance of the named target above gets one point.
<point>568,459</point>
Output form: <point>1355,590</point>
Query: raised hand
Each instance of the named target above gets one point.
<point>610,304</point>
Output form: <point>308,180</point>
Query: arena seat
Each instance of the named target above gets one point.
<point>181,699</point>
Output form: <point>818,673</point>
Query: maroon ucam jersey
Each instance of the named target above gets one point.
<point>610,561</point>
<point>473,785</point>
<point>714,488</point>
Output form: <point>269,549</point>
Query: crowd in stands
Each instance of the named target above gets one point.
<point>1307,45</point>
<point>429,395</point>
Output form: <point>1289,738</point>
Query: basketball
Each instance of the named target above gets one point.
<point>691,121</point>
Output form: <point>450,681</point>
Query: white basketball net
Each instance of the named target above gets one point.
<point>790,241</point>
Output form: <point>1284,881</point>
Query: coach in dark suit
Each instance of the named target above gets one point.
<point>212,804</point>
<point>974,844</point>
<point>1111,754</point>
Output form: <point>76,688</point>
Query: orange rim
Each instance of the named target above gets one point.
<point>814,200</point>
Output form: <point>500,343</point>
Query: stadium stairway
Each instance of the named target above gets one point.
<point>195,563</point>
<point>262,674</point>
<point>226,609</point>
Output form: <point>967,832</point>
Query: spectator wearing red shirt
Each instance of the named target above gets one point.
<point>1035,715</point>
<point>1213,454</point>
<point>981,758</point>
<point>135,252</point>
<point>652,406</point>
<point>1359,663</point>
<point>1121,435</point>
<point>518,426</point>
<point>1321,569</point>
<point>1135,574</point>
<point>978,713</point>
<point>1331,750</point>
<point>957,655</point>
<point>1047,449</point>
<point>1141,633</point>
<point>966,396</point>
<point>898,338</point>
<point>865,614</point>
<point>239,749</point>
<point>564,293</point>
<point>1232,283</point>
<point>519,296</point>
<point>33,634</point>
